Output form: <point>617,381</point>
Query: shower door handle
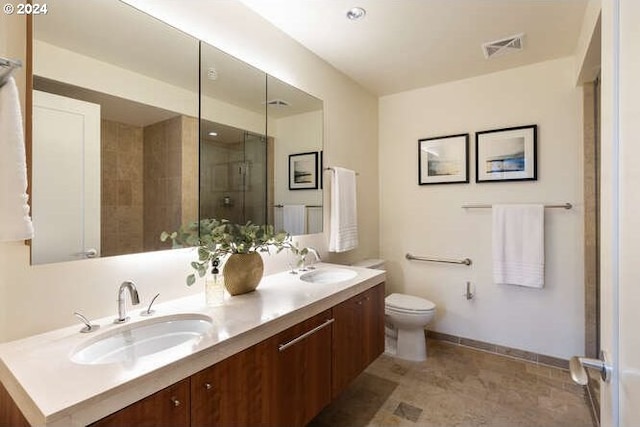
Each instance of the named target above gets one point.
<point>577,367</point>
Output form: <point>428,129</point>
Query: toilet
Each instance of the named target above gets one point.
<point>405,319</point>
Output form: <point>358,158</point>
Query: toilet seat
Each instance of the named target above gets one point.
<point>401,311</point>
<point>401,303</point>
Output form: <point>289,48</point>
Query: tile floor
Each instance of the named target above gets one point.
<point>459,386</point>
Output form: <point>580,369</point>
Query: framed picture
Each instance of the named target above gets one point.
<point>303,171</point>
<point>321,169</point>
<point>507,154</point>
<point>443,160</point>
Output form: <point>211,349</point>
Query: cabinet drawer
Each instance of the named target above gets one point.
<point>168,407</point>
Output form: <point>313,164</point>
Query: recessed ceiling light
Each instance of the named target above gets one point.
<point>356,13</point>
<point>213,133</point>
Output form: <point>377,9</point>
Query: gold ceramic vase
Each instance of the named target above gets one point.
<point>242,273</point>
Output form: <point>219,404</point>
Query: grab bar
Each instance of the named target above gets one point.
<point>465,261</point>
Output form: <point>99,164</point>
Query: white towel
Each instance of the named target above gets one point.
<point>314,220</point>
<point>344,215</point>
<point>295,219</point>
<point>15,222</point>
<point>518,245</point>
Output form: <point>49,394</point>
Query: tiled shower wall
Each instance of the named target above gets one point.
<point>169,147</point>
<point>149,182</point>
<point>122,189</point>
<point>190,172</point>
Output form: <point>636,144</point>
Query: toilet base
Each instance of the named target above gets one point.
<point>407,344</point>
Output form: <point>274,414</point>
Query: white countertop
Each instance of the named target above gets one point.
<point>52,390</point>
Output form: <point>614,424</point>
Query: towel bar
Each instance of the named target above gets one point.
<point>307,206</point>
<point>333,170</point>
<point>563,206</point>
<point>465,261</point>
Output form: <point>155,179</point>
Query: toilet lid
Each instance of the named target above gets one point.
<point>408,302</point>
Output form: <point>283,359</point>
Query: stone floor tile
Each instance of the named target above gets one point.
<point>459,387</point>
<point>407,411</point>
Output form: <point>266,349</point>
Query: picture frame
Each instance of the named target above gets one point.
<point>443,160</point>
<point>508,154</point>
<point>303,171</point>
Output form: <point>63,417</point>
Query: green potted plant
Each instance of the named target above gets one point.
<point>240,244</point>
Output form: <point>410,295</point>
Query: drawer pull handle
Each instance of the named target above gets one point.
<point>284,346</point>
<point>176,402</point>
<point>208,386</point>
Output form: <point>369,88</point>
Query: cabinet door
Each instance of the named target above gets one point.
<point>236,391</point>
<point>303,380</point>
<point>373,323</point>
<point>348,353</point>
<point>358,336</point>
<point>10,415</point>
<point>168,407</point>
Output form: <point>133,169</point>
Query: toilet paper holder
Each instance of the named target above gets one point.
<point>468,293</point>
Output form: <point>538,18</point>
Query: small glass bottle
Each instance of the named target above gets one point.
<point>214,286</point>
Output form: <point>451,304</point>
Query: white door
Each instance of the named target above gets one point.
<point>66,179</point>
<point>620,251</point>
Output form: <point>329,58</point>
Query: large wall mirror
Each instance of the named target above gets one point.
<point>115,109</point>
<point>295,135</point>
<point>233,146</point>
<point>121,153</point>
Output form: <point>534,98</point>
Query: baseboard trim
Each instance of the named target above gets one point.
<point>529,356</point>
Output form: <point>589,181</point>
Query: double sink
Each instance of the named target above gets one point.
<point>151,336</point>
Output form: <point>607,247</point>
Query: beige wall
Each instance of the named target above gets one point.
<point>429,220</point>
<point>296,134</point>
<point>40,298</point>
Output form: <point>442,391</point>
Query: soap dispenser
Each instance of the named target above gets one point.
<point>214,285</point>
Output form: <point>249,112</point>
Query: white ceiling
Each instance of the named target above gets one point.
<point>408,44</point>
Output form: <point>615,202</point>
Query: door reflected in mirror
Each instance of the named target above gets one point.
<point>115,131</point>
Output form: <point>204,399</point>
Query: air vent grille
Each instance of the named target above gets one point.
<point>278,103</point>
<point>503,46</point>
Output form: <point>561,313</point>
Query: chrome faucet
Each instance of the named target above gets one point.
<point>316,255</point>
<point>122,307</point>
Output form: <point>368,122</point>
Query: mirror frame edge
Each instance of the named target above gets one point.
<point>28,116</point>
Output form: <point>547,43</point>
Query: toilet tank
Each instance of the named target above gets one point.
<point>378,264</point>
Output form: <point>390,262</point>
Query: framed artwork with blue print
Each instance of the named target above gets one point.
<point>508,154</point>
<point>443,160</point>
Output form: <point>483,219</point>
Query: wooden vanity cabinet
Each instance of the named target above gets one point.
<point>236,391</point>
<point>10,415</point>
<point>282,381</point>
<point>168,407</point>
<point>358,336</point>
<point>302,382</point>
<point>285,380</point>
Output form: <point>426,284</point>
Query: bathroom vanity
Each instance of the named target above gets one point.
<point>273,357</point>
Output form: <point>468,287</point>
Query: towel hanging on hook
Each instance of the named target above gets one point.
<point>6,68</point>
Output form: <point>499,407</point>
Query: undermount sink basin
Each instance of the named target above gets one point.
<point>328,275</point>
<point>145,338</point>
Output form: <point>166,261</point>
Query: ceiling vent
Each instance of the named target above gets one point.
<point>212,73</point>
<point>503,46</point>
<point>278,103</point>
